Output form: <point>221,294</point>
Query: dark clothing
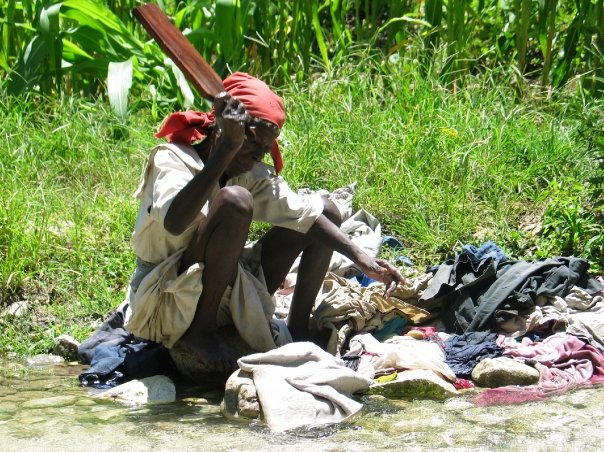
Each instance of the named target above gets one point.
<point>116,356</point>
<point>479,295</point>
<point>463,352</point>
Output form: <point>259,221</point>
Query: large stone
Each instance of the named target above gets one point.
<point>66,346</point>
<point>415,384</point>
<point>502,371</point>
<point>156,389</point>
<point>240,397</point>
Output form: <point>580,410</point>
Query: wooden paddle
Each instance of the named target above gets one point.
<point>180,50</point>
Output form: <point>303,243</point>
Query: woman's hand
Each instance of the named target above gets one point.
<point>383,271</point>
<point>231,118</point>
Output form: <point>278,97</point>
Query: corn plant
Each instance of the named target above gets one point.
<point>82,46</point>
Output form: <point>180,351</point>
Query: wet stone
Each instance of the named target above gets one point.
<point>8,407</point>
<point>457,405</point>
<point>416,384</point>
<point>43,360</point>
<point>30,420</point>
<point>502,371</point>
<point>66,346</point>
<point>156,389</point>
<point>4,391</point>
<point>85,402</point>
<point>50,402</point>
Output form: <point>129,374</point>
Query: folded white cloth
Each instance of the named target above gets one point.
<point>300,385</point>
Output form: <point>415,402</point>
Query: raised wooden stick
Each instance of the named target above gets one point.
<point>180,50</point>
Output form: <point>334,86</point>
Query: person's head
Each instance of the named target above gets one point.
<point>267,116</point>
<point>260,138</point>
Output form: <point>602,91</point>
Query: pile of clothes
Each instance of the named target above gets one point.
<point>548,314</point>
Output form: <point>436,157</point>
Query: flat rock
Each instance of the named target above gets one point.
<point>156,389</point>
<point>240,397</point>
<point>502,371</point>
<point>43,360</point>
<point>416,384</point>
<point>50,402</point>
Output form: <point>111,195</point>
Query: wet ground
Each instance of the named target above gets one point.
<point>45,409</point>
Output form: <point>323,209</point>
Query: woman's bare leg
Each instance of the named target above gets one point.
<point>280,247</point>
<point>217,244</point>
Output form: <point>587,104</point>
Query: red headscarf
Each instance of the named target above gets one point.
<point>259,101</point>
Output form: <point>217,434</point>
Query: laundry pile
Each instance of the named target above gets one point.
<point>523,329</point>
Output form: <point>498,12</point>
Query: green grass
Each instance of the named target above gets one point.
<point>439,168</point>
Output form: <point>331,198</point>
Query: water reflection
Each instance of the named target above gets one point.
<point>45,409</point>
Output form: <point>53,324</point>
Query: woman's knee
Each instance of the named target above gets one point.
<point>331,211</point>
<point>237,200</point>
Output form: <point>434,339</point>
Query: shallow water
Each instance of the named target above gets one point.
<point>45,409</point>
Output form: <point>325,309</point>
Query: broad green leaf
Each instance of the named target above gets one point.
<point>90,39</point>
<point>119,82</point>
<point>319,35</point>
<point>72,51</point>
<point>26,72</point>
<point>409,19</point>
<point>92,14</point>
<point>434,12</point>
<point>225,27</point>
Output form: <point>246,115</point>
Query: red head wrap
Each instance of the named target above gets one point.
<point>259,101</point>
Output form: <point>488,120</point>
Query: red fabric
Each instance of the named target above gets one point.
<point>259,101</point>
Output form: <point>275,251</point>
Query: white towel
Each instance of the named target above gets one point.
<point>300,385</point>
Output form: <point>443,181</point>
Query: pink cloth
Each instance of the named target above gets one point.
<point>564,362</point>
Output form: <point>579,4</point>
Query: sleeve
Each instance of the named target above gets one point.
<point>276,203</point>
<point>171,175</point>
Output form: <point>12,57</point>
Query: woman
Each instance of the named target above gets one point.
<point>199,195</point>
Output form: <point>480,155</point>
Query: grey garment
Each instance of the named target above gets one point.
<point>142,269</point>
<point>479,296</point>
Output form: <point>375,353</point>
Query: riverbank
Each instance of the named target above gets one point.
<point>438,167</point>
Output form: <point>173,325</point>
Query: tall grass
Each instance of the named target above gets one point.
<point>71,46</point>
<point>438,167</point>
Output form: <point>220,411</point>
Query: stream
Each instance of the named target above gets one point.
<point>44,408</point>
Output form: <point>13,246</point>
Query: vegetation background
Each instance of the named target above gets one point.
<point>460,121</point>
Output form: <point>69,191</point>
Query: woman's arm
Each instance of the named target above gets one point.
<point>326,232</point>
<point>228,138</point>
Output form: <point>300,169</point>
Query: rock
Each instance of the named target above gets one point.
<point>50,402</point>
<point>16,309</point>
<point>190,366</point>
<point>156,389</point>
<point>502,371</point>
<point>43,360</point>
<point>66,346</point>
<point>240,397</point>
<point>417,383</point>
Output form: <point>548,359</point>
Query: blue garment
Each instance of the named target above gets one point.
<point>116,356</point>
<point>116,364</point>
<point>396,244</point>
<point>463,352</point>
<point>488,249</point>
<point>364,280</point>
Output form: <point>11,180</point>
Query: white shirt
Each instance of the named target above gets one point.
<point>172,166</point>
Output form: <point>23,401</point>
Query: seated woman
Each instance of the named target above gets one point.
<point>199,195</point>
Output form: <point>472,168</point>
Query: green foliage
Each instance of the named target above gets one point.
<point>570,225</point>
<point>440,166</point>
<point>72,46</point>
